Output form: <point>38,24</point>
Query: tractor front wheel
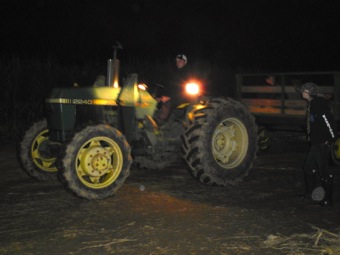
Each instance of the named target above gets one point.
<point>96,162</point>
<point>34,152</point>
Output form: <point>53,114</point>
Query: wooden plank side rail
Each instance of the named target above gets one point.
<point>276,106</point>
<point>281,103</point>
<point>282,98</point>
<point>256,104</point>
<point>281,89</point>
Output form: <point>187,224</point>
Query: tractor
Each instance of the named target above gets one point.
<point>92,136</point>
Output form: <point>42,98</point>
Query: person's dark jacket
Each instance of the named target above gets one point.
<point>322,123</point>
<point>175,86</point>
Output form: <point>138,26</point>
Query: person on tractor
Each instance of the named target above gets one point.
<point>173,94</point>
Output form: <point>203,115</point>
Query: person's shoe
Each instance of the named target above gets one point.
<point>327,184</point>
<point>318,194</point>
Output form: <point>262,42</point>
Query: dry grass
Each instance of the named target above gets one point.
<point>321,241</point>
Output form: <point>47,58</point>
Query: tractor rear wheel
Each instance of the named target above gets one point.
<point>335,152</point>
<point>220,145</point>
<point>34,154</point>
<point>96,162</point>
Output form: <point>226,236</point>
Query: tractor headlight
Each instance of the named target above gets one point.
<point>192,89</point>
<point>142,86</point>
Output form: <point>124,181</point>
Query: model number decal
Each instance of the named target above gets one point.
<point>81,101</point>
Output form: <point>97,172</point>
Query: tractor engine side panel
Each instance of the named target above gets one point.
<point>64,119</point>
<point>60,121</point>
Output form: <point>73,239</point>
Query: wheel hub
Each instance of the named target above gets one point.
<point>224,143</point>
<point>96,161</point>
<point>41,154</point>
<point>229,143</point>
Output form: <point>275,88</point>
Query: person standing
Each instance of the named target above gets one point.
<point>321,133</point>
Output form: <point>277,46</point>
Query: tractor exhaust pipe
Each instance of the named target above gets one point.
<point>112,77</point>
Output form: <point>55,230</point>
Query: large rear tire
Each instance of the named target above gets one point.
<point>220,145</point>
<point>95,163</point>
<point>34,155</point>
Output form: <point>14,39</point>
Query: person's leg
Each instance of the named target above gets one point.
<point>164,112</point>
<point>309,173</point>
<point>326,173</point>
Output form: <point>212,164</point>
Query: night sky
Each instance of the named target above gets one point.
<point>274,35</point>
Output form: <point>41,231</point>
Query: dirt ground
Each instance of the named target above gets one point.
<point>174,214</point>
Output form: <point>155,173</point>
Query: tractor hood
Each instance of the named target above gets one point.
<point>84,96</point>
<point>128,95</point>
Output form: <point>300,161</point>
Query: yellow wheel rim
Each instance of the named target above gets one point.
<point>230,143</point>
<point>42,161</point>
<point>336,149</point>
<point>99,162</point>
